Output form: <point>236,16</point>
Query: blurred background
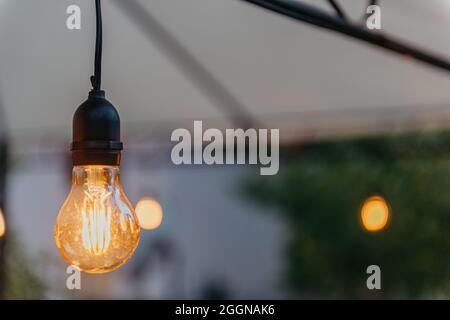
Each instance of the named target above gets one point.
<point>365,162</point>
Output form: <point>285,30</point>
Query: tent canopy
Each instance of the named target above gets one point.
<point>306,81</point>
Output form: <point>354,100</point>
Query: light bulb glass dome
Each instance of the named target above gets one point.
<point>97,229</point>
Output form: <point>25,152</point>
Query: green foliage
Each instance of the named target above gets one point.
<point>320,189</point>
<point>21,281</point>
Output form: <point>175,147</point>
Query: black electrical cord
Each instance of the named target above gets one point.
<point>305,13</point>
<point>96,79</point>
<point>338,10</point>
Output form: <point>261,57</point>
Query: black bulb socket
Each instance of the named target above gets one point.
<point>96,132</point>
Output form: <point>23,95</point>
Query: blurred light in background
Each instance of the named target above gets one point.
<point>150,213</point>
<point>2,224</point>
<point>374,214</point>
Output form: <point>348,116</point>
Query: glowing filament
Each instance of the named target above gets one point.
<point>96,231</point>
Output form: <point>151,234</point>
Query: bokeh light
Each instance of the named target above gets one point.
<point>2,224</point>
<point>375,214</point>
<point>150,213</point>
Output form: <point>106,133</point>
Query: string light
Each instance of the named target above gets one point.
<point>150,213</point>
<point>2,224</point>
<point>96,229</point>
<point>375,214</point>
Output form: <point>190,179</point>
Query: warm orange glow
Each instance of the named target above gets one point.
<point>2,224</point>
<point>97,229</point>
<point>375,214</point>
<point>96,232</point>
<point>150,213</point>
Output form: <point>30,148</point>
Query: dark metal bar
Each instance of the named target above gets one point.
<point>187,63</point>
<point>311,15</point>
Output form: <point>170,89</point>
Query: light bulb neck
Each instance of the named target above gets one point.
<point>96,176</point>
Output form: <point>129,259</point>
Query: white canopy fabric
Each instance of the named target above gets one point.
<point>306,81</point>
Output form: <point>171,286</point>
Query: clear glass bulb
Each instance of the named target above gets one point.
<point>97,228</point>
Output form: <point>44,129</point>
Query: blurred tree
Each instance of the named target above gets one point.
<point>21,281</point>
<point>320,189</point>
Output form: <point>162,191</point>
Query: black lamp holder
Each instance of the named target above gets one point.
<point>96,123</point>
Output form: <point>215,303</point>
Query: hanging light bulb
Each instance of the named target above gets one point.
<point>96,229</point>
<point>150,213</point>
<point>375,214</point>
<point>2,224</point>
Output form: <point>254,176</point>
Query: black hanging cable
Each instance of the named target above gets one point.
<point>96,79</point>
<point>308,14</point>
<point>338,9</point>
